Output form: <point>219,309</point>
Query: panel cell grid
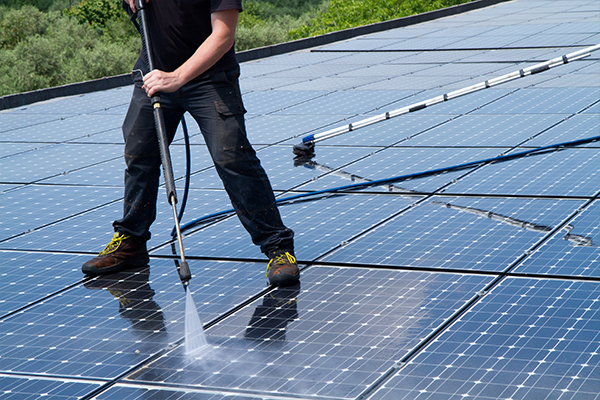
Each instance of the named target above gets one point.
<point>573,250</point>
<point>334,336</point>
<point>466,234</point>
<point>382,270</point>
<point>526,339</point>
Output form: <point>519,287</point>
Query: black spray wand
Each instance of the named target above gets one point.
<point>184,270</point>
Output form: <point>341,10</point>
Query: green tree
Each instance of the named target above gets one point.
<point>96,12</point>
<point>19,24</point>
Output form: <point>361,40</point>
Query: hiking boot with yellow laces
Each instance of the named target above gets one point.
<point>282,269</point>
<point>123,251</point>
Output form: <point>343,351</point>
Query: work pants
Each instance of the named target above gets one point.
<point>216,105</point>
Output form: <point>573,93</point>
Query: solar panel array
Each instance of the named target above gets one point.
<point>476,283</point>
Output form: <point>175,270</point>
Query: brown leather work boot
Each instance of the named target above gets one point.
<point>282,269</point>
<point>123,251</point>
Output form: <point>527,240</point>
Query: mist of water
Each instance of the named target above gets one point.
<point>194,333</point>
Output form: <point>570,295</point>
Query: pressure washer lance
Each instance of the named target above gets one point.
<point>184,270</point>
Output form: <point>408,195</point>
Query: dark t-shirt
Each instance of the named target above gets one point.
<point>178,27</point>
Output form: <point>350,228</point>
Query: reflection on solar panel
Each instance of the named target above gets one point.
<point>476,283</point>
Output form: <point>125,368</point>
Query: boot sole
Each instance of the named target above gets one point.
<point>284,280</point>
<point>123,265</point>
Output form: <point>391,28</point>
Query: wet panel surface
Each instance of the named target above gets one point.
<point>118,320</point>
<point>338,333</point>
<point>468,234</point>
<point>573,250</point>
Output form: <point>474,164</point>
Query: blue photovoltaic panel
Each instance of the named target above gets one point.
<point>371,44</point>
<point>55,160</point>
<point>346,102</point>
<point>18,387</point>
<point>47,204</point>
<point>574,80</point>
<point>272,128</point>
<point>11,120</point>
<point>401,268</point>
<point>573,250</point>
<point>146,392</point>
<point>111,136</point>
<point>526,339</point>
<point>486,130</point>
<point>335,83</point>
<point>286,173</point>
<point>69,128</point>
<point>570,172</point>
<point>395,68</point>
<point>393,162</point>
<point>263,84</point>
<point>320,226</point>
<point>79,104</point>
<point>470,70</point>
<point>91,231</point>
<point>415,83</point>
<point>453,233</point>
<point>392,132</point>
<point>106,326</point>
<point>547,101</point>
<point>334,336</point>
<point>460,31</point>
<point>581,126</point>
<point>8,150</point>
<point>29,277</point>
<point>269,102</point>
<point>315,70</point>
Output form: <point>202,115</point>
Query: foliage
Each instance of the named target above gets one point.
<point>40,50</point>
<point>96,12</point>
<point>47,43</point>
<point>344,14</point>
<point>17,25</point>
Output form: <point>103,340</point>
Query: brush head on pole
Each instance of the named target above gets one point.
<point>304,149</point>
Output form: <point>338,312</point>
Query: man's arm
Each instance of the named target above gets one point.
<point>214,47</point>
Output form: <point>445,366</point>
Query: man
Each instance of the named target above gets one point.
<point>192,43</point>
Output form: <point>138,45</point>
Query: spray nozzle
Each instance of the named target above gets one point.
<point>184,273</point>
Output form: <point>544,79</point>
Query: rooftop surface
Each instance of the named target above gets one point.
<point>477,283</point>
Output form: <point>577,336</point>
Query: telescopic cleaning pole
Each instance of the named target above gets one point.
<point>307,146</point>
<point>184,270</point>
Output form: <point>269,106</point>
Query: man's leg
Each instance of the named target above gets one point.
<point>217,106</point>
<point>142,157</point>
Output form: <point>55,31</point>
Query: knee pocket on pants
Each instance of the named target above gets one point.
<point>229,108</point>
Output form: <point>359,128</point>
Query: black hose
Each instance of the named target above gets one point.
<point>188,172</point>
<point>388,181</point>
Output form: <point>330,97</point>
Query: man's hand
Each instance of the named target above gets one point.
<point>132,4</point>
<point>159,81</point>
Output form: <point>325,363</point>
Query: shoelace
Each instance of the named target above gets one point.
<point>114,243</point>
<point>280,260</point>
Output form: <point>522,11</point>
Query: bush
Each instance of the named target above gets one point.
<point>96,12</point>
<point>19,24</point>
<point>344,14</point>
<point>67,51</point>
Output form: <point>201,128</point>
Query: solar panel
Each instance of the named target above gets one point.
<point>525,339</point>
<point>562,173</point>
<point>572,250</point>
<point>335,335</point>
<point>462,233</point>
<point>481,284</point>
